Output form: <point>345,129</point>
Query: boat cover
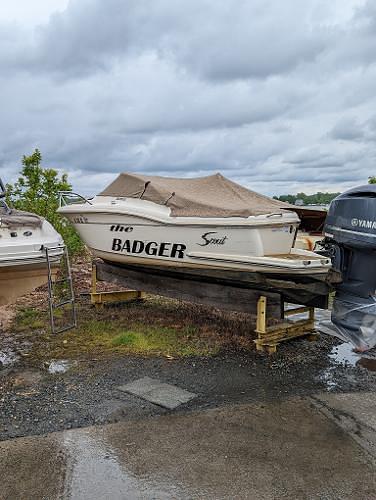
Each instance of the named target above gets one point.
<point>17,218</point>
<point>212,196</point>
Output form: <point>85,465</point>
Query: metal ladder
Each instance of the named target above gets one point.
<point>51,295</point>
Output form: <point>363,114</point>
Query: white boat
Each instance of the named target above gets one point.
<point>206,226</point>
<point>23,240</point>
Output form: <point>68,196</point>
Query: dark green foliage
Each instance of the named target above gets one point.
<point>308,199</point>
<point>37,190</point>
<point>372,179</point>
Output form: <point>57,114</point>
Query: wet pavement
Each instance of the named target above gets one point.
<point>299,424</point>
<point>346,355</point>
<point>274,450</point>
<point>64,394</point>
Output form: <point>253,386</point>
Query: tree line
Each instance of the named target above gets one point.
<point>314,199</point>
<point>308,199</point>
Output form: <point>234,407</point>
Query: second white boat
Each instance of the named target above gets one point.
<point>24,238</point>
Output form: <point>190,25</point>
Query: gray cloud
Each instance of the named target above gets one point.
<point>347,129</point>
<point>277,95</point>
<point>220,41</point>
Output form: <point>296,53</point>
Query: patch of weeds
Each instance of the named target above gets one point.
<point>127,338</point>
<point>29,319</point>
<point>113,335</point>
<point>157,326</point>
<point>60,313</point>
<point>145,339</point>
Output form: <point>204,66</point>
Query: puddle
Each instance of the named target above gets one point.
<point>7,357</point>
<point>344,354</point>
<point>96,472</point>
<point>59,366</point>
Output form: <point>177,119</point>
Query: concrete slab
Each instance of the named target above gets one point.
<point>140,386</point>
<point>355,413</point>
<point>284,450</point>
<point>157,392</point>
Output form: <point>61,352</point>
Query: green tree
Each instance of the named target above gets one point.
<point>372,179</point>
<point>37,190</point>
<point>309,199</point>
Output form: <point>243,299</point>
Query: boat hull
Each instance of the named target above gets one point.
<point>207,247</point>
<point>23,262</point>
<point>18,280</point>
<point>255,251</point>
<point>305,290</point>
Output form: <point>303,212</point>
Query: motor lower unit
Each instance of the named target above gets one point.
<point>350,241</point>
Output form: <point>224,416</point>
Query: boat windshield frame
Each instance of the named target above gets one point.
<point>70,198</point>
<point>3,194</point>
<point>2,189</point>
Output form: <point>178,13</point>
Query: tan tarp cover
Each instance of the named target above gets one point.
<point>17,218</point>
<point>212,196</point>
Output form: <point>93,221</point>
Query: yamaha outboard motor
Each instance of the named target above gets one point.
<point>350,241</point>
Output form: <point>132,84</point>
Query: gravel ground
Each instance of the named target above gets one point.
<point>34,401</point>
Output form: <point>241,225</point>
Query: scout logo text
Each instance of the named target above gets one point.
<point>209,240</point>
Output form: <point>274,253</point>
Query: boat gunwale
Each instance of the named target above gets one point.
<point>181,221</point>
<point>29,260</point>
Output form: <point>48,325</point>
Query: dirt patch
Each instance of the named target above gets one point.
<point>26,378</point>
<point>7,314</point>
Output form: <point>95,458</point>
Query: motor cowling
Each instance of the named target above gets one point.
<point>350,241</point>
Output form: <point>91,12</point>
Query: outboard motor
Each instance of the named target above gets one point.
<point>350,241</point>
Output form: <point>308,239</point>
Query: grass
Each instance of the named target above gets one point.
<point>154,327</point>
<point>137,338</point>
<point>28,319</point>
<point>162,340</point>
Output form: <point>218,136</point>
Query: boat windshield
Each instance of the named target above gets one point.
<point>2,189</point>
<point>70,198</point>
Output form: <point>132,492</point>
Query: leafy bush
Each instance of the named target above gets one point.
<point>37,190</point>
<point>372,179</point>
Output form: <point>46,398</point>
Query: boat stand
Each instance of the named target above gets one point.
<point>99,299</point>
<point>269,337</point>
<point>267,307</point>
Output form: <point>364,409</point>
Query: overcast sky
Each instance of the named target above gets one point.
<point>279,96</point>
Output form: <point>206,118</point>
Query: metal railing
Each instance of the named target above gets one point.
<point>3,194</point>
<point>70,198</point>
